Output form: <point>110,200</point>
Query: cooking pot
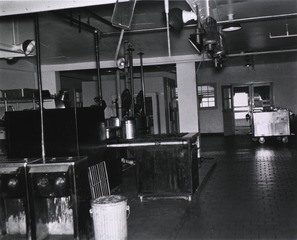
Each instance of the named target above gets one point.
<point>129,128</point>
<point>113,122</point>
<point>112,132</point>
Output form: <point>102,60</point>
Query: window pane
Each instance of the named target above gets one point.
<point>206,94</point>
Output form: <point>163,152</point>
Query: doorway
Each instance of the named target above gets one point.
<point>241,107</point>
<point>240,100</point>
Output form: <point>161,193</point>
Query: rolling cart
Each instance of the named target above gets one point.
<point>271,124</point>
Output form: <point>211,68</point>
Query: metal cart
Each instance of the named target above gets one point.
<point>271,124</point>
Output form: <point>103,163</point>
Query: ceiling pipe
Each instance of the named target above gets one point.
<point>287,35</point>
<point>126,65</point>
<point>218,22</point>
<point>142,82</point>
<point>39,83</point>
<point>268,17</point>
<point>99,81</point>
<point>101,19</point>
<point>80,24</point>
<point>119,44</point>
<point>282,36</point>
<point>261,52</point>
<point>130,54</point>
<point>207,7</point>
<point>166,3</point>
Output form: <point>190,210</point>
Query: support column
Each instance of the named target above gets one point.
<point>187,97</point>
<point>51,82</point>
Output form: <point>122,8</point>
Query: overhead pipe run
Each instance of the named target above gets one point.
<point>119,99</point>
<point>287,35</point>
<point>119,45</point>
<point>268,17</point>
<point>126,63</point>
<point>130,53</point>
<point>99,82</point>
<point>261,52</point>
<point>142,82</point>
<point>78,22</point>
<point>96,33</point>
<point>218,22</point>
<point>39,83</point>
<point>166,3</point>
<point>101,19</point>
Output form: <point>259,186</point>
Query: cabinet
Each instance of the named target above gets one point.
<point>276,123</point>
<point>168,168</point>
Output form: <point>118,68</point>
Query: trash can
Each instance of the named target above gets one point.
<point>110,217</point>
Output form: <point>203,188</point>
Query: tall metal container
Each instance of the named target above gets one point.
<point>15,212</point>
<point>60,198</point>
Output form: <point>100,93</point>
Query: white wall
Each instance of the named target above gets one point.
<point>51,82</point>
<point>282,75</point>
<point>17,76</point>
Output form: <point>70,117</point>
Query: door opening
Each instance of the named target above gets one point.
<point>240,100</point>
<point>242,106</point>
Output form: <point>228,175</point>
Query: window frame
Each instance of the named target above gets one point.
<point>214,93</point>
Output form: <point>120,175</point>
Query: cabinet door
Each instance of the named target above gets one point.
<point>163,170</point>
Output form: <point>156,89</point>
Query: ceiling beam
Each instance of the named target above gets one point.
<point>78,22</point>
<point>136,62</point>
<point>15,7</point>
<point>101,19</point>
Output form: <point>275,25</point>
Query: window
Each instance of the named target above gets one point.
<point>207,96</point>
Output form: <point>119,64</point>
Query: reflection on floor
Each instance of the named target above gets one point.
<point>250,194</point>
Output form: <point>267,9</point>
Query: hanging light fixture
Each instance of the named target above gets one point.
<point>231,26</point>
<point>211,33</point>
<point>178,18</point>
<point>28,47</point>
<point>121,63</point>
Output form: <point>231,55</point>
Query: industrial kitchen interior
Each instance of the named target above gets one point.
<point>135,119</point>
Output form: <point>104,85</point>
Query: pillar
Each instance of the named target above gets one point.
<point>51,82</point>
<point>187,97</point>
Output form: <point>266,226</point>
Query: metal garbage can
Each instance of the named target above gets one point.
<point>110,217</point>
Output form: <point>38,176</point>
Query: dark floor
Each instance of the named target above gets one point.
<point>248,191</point>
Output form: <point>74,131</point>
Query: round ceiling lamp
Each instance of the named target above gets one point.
<point>231,26</point>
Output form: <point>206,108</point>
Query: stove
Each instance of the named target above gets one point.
<point>60,198</point>
<point>15,209</point>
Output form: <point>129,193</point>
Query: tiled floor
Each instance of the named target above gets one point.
<point>247,191</point>
<point>250,194</point>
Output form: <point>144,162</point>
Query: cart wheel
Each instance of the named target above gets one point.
<point>261,140</point>
<point>285,139</point>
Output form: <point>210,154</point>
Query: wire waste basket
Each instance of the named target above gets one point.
<point>98,179</point>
